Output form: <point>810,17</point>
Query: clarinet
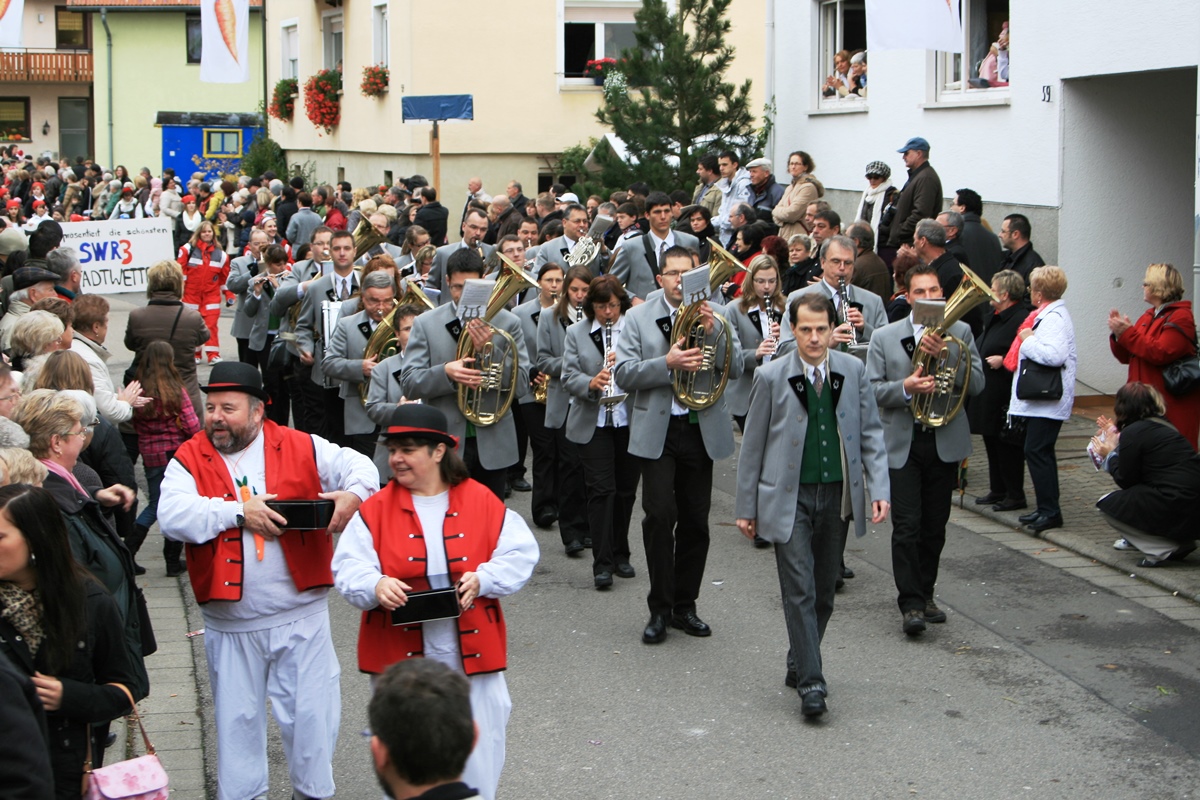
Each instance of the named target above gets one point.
<point>609,389</point>
<point>844,297</point>
<point>773,317</point>
<point>579,312</point>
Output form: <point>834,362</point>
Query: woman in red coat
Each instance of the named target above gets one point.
<point>205,270</point>
<point>1165,333</point>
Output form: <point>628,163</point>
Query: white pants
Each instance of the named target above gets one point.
<point>296,667</point>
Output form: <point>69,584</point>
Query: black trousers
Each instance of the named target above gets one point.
<point>569,490</point>
<point>275,382</point>
<point>921,493</point>
<point>308,399</point>
<point>545,452</point>
<point>1006,468</point>
<point>494,479</point>
<point>610,476</point>
<point>245,354</point>
<point>333,425</point>
<point>676,496</point>
<point>362,443</point>
<point>1040,436</point>
<point>517,470</point>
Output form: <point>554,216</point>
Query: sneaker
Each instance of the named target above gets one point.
<point>199,359</point>
<point>933,613</point>
<point>215,360</point>
<point>1123,544</point>
<point>914,622</point>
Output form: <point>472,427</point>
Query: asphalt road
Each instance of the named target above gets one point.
<point>1042,684</point>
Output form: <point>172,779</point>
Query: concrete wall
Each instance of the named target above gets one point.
<point>151,74</point>
<point>39,34</point>
<point>1127,140</point>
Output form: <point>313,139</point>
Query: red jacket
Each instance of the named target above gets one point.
<point>1153,342</point>
<point>470,535</point>
<point>205,270</point>
<point>215,567</point>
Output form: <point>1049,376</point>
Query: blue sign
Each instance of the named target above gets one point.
<point>438,107</point>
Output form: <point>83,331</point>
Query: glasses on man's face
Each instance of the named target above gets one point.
<point>675,273</point>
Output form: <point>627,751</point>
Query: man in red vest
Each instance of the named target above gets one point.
<point>262,585</point>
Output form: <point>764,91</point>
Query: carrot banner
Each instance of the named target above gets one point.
<point>225,35</point>
<point>12,15</point>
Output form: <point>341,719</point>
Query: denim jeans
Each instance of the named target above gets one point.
<point>149,515</point>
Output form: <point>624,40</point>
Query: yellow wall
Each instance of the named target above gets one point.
<point>151,74</point>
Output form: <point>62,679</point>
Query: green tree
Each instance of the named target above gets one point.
<point>677,104</point>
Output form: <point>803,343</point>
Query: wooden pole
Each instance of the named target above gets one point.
<point>435,149</point>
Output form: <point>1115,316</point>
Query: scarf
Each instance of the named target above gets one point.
<point>66,475</point>
<point>23,610</point>
<point>874,198</point>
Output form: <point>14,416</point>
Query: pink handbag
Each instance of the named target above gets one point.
<point>141,778</point>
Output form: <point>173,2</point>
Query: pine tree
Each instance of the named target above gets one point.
<point>677,104</point>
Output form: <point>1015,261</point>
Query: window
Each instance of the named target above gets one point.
<point>289,48</point>
<point>70,30</point>
<point>843,32</point>
<point>331,32</point>
<point>194,42</point>
<point>595,30</point>
<point>222,143</point>
<point>380,34</point>
<point>984,56</point>
<point>14,118</point>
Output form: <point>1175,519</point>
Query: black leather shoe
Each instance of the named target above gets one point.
<point>574,548</point>
<point>587,542</point>
<point>789,679</point>
<point>914,622</point>
<point>521,485</point>
<point>138,569</point>
<point>175,569</point>
<point>690,624</point>
<point>656,629</point>
<point>847,573</point>
<point>761,543</point>
<point>839,584</point>
<point>989,498</point>
<point>933,613</point>
<point>625,570</point>
<point>1010,505</point>
<point>1044,523</point>
<point>507,491</point>
<point>603,580</point>
<point>812,703</point>
<point>546,522</point>
<point>1025,519</point>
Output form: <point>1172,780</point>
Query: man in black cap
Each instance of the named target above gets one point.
<point>921,197</point>
<point>31,284</point>
<point>262,587</point>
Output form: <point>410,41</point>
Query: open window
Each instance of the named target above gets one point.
<point>379,28</point>
<point>289,49</point>
<point>591,30</point>
<point>981,69</point>
<point>842,35</point>
<point>332,35</point>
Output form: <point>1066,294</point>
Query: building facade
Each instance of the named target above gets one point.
<point>1093,136</point>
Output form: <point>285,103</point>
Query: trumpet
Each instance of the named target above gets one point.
<point>610,397</point>
<point>853,346</point>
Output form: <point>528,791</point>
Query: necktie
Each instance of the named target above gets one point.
<point>662,248</point>
<point>345,293</point>
<point>818,382</point>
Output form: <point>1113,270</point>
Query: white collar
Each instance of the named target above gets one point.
<point>669,241</point>
<point>616,325</point>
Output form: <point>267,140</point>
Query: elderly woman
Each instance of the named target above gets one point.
<point>1049,342</point>
<point>58,433</point>
<point>1165,333</point>
<point>803,265</point>
<point>804,189</point>
<point>432,522</point>
<point>1159,475</point>
<point>988,410</point>
<point>35,336</point>
<point>165,317</point>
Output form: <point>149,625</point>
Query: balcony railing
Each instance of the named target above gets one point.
<point>48,66</point>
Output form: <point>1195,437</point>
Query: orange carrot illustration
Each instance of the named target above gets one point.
<point>4,7</point>
<point>226,21</point>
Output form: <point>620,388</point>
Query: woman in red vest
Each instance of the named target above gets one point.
<point>433,520</point>
<point>205,269</point>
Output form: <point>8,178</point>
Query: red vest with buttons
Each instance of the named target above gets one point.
<point>215,567</point>
<point>470,535</point>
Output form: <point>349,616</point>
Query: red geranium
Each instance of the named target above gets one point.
<point>322,99</point>
<point>375,81</point>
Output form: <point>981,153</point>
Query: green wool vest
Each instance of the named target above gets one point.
<point>822,459</point>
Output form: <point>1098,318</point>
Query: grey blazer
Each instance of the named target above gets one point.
<point>555,252</point>
<point>286,296</point>
<point>308,326</point>
<point>383,248</point>
<point>889,362</point>
<point>529,313</point>
<point>241,270</point>
<point>636,262</point>
<point>383,395</point>
<point>343,361</point>
<point>642,372</point>
<point>437,273</point>
<point>551,334</point>
<point>432,345</point>
<point>874,315</point>
<point>773,444</point>
<point>737,394</point>
<point>583,359</point>
<point>259,310</point>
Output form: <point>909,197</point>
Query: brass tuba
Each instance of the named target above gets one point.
<point>943,404</point>
<point>701,389</point>
<point>485,404</point>
<point>383,342</point>
<point>366,237</point>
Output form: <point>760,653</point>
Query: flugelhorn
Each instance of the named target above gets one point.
<point>366,237</point>
<point>702,389</point>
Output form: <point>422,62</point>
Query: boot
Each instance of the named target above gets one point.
<point>134,543</point>
<point>171,553</point>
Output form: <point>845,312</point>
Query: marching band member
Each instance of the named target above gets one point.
<point>474,226</point>
<point>307,399</point>
<point>575,230</point>
<point>638,262</point>
<point>757,315</point>
<point>568,473</point>
<point>385,393</point>
<point>601,432</point>
<point>385,248</point>
<point>264,327</point>
<point>205,269</point>
<point>241,270</point>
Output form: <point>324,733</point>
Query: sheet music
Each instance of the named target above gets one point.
<point>600,226</point>
<point>695,286</point>
<point>929,313</point>
<point>474,298</point>
<point>326,268</point>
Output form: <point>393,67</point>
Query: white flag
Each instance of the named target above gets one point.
<point>914,25</point>
<point>225,41</point>
<point>12,18</point>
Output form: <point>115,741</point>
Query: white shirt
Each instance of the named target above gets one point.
<point>620,415</point>
<point>662,245</point>
<point>677,408</point>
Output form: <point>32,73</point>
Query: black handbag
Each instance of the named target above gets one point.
<point>1183,376</point>
<point>1038,381</point>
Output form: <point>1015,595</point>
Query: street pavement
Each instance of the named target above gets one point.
<point>1062,671</point>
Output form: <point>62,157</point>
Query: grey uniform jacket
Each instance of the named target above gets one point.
<point>551,334</point>
<point>308,326</point>
<point>642,372</point>
<point>436,278</point>
<point>286,296</point>
<point>773,444</point>
<point>433,344</point>
<point>555,251</point>
<point>241,270</point>
<point>874,315</point>
<point>343,362</point>
<point>258,311</point>
<point>583,359</point>
<point>383,248</point>
<point>889,362</point>
<point>383,395</point>
<point>749,332</point>
<point>529,313</point>
<point>636,262</point>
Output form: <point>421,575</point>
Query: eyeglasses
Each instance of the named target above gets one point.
<point>83,432</point>
<point>675,273</point>
<point>10,397</point>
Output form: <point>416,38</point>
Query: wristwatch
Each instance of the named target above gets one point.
<point>241,520</point>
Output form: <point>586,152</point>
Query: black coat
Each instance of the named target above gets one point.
<point>25,772</point>
<point>797,276</point>
<point>984,252</point>
<point>107,455</point>
<point>1023,261</point>
<point>432,216</point>
<point>1159,476</point>
<point>987,410</point>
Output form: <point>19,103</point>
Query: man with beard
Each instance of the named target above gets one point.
<point>262,587</point>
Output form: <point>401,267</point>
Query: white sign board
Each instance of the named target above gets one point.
<point>115,254</point>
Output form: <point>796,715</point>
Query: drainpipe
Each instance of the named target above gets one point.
<point>108,36</point>
<point>769,83</point>
<point>1196,211</point>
